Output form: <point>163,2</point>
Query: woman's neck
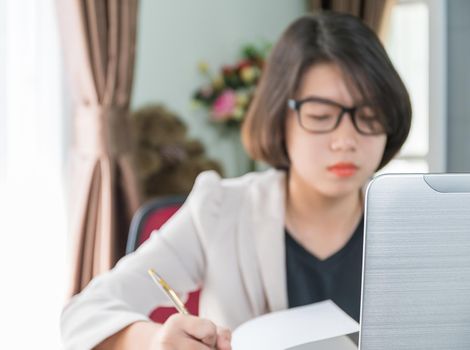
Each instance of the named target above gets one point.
<point>320,222</point>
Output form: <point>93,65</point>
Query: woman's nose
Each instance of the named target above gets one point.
<point>344,137</point>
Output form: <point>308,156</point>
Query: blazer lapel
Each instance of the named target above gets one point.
<point>248,261</point>
<point>268,227</point>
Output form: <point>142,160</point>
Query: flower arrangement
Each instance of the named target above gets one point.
<point>229,92</point>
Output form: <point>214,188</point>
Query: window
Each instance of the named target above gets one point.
<point>419,62</point>
<point>32,206</point>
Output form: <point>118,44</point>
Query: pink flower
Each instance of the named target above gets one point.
<point>224,105</point>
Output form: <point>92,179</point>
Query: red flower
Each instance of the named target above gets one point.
<point>244,63</point>
<point>228,70</point>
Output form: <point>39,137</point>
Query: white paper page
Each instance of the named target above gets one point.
<point>336,343</point>
<point>284,329</point>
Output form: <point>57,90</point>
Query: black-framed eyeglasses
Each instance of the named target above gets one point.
<point>320,115</point>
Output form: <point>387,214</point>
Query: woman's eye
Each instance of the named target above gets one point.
<point>370,122</point>
<point>368,117</point>
<point>320,117</point>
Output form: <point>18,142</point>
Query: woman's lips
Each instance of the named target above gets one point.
<point>343,169</point>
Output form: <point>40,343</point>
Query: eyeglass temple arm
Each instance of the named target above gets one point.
<point>292,104</point>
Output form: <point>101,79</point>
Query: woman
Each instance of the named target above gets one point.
<point>330,110</point>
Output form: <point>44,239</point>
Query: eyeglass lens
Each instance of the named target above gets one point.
<point>322,117</point>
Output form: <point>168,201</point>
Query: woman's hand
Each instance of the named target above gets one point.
<point>186,332</point>
<point>179,332</point>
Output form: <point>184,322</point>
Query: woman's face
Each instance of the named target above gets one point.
<point>339,162</point>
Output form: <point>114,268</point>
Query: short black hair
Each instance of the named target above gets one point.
<point>325,37</point>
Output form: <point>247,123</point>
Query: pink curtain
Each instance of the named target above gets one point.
<point>99,39</point>
<point>372,12</point>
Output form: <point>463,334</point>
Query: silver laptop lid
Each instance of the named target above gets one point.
<point>416,280</point>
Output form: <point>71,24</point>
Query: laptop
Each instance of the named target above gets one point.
<point>416,277</point>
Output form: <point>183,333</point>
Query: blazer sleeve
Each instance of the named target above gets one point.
<point>126,294</point>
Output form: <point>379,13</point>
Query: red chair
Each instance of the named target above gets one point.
<point>149,217</point>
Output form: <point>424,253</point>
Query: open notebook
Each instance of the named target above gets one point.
<point>319,326</point>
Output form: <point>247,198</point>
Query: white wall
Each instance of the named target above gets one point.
<point>174,36</point>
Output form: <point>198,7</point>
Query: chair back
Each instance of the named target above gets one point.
<point>151,216</point>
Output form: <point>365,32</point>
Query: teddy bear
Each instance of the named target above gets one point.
<point>167,161</point>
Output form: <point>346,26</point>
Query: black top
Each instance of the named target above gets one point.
<point>338,277</point>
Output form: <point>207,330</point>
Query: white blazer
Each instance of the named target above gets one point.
<point>228,239</point>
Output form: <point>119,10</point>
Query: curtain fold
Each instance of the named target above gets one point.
<point>372,12</point>
<point>99,39</point>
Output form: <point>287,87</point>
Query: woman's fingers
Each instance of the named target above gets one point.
<point>224,338</point>
<point>191,332</point>
<point>193,344</point>
<point>201,329</point>
<point>192,327</point>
